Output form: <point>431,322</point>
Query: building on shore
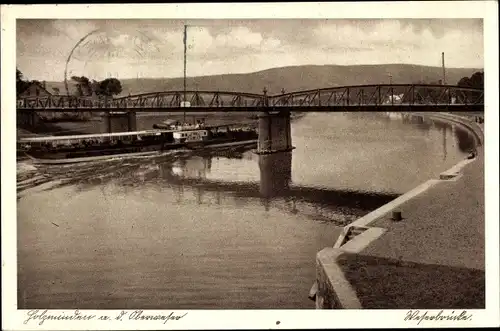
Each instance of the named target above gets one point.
<point>34,89</point>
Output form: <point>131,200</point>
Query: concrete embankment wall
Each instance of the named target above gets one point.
<point>332,290</point>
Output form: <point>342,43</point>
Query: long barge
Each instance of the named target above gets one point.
<point>91,147</point>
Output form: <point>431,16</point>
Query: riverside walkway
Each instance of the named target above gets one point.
<point>434,258</point>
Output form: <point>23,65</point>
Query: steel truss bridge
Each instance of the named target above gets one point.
<point>346,98</point>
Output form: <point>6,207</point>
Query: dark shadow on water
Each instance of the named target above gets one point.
<point>177,173</point>
<point>464,140</point>
<point>275,176</point>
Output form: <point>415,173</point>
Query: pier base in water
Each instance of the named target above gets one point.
<point>275,174</point>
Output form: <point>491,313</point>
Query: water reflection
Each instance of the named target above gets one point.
<point>181,174</point>
<point>461,137</point>
<point>275,174</point>
<point>179,230</point>
<point>420,122</point>
<point>445,150</point>
<point>273,182</point>
<point>464,140</point>
<point>193,167</point>
<point>275,179</point>
<point>274,186</point>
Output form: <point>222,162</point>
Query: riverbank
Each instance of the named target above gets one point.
<point>431,259</point>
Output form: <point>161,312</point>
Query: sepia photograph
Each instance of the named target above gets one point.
<point>192,163</point>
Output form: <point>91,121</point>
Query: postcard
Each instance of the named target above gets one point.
<point>257,165</point>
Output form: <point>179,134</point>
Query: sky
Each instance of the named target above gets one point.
<point>154,48</point>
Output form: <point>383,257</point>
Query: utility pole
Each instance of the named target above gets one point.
<point>185,51</point>
<point>448,94</point>
<point>444,71</point>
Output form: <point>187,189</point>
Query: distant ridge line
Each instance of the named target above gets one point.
<point>294,78</point>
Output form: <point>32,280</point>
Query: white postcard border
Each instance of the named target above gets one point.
<point>13,319</point>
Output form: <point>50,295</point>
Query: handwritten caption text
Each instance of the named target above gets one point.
<point>419,316</point>
<point>41,316</point>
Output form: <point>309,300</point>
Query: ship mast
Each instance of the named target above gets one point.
<point>185,51</point>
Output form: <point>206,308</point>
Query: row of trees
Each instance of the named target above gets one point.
<point>84,86</point>
<point>474,81</point>
<point>106,87</point>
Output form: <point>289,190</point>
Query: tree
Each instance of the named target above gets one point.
<point>95,87</point>
<point>21,85</point>
<point>464,82</point>
<point>79,90</point>
<point>19,75</point>
<point>426,94</point>
<point>83,85</point>
<point>110,87</point>
<point>87,87</point>
<point>475,81</point>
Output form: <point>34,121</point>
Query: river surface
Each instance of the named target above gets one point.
<point>219,230</point>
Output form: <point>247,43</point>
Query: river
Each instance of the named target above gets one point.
<point>215,230</point>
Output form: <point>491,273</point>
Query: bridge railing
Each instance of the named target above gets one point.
<point>383,95</point>
<point>369,95</point>
<point>156,100</point>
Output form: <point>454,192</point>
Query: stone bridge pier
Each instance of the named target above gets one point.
<point>119,122</point>
<point>27,119</point>
<point>274,130</point>
<point>274,133</point>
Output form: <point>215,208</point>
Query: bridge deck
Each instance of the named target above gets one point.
<point>312,108</point>
<point>346,98</point>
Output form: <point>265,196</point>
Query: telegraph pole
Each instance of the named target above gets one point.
<point>448,94</point>
<point>444,71</point>
<point>185,51</point>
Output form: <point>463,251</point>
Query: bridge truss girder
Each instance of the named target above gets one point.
<point>363,95</point>
<point>379,95</point>
<point>171,99</point>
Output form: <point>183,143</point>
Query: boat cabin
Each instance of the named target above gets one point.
<point>190,136</point>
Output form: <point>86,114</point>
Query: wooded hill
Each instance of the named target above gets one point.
<point>295,78</point>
